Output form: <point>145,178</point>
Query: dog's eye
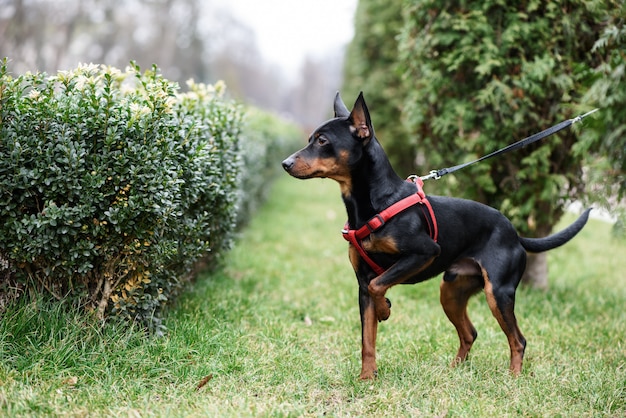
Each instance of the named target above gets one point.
<point>321,140</point>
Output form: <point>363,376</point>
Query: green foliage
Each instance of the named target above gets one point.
<point>481,75</point>
<point>605,142</point>
<point>113,184</point>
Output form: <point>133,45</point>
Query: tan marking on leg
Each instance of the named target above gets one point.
<point>454,297</point>
<point>368,349</point>
<point>506,318</point>
<point>354,256</point>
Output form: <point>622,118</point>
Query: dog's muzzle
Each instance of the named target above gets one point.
<point>289,163</point>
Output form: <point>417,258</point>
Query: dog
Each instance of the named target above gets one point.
<point>398,235</point>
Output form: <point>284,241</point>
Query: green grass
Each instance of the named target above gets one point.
<point>276,333</point>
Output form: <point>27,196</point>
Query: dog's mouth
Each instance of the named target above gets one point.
<point>300,169</point>
<point>304,175</point>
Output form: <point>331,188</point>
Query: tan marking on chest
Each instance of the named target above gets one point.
<point>386,245</point>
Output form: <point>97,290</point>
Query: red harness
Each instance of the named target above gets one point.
<point>355,236</point>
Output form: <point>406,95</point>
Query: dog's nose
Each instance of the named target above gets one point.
<point>288,163</point>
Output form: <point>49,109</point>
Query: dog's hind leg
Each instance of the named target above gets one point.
<point>455,291</point>
<point>501,300</point>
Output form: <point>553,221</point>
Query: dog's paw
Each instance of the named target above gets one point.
<point>384,312</point>
<point>382,306</point>
<point>369,375</point>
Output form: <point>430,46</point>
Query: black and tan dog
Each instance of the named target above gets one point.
<point>399,236</point>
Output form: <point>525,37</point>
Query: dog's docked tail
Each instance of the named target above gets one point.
<point>538,245</point>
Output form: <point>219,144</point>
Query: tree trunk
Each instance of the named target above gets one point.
<point>536,274</point>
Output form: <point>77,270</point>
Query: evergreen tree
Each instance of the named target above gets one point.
<point>605,140</point>
<point>481,75</point>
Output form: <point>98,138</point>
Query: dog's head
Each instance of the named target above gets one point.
<point>335,146</point>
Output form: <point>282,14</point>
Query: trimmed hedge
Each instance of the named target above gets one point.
<point>114,185</point>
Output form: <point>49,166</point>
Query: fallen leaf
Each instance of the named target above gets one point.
<point>204,381</point>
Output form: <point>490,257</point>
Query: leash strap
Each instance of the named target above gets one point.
<point>437,174</point>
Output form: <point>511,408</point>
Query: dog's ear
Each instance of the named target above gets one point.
<point>341,111</point>
<point>360,118</point>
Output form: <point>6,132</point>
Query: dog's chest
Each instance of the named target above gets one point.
<point>381,244</point>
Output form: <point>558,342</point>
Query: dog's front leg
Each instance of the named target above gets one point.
<point>369,327</point>
<point>369,322</point>
<point>401,271</point>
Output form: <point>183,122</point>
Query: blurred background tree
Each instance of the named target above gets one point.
<point>196,39</point>
<point>372,66</point>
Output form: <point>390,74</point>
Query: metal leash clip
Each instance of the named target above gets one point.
<point>579,117</point>
<point>434,174</point>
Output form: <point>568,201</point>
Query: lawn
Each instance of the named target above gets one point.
<point>276,332</point>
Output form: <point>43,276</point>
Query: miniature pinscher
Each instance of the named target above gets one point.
<point>394,242</point>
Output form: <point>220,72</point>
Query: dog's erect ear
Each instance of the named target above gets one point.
<point>341,111</point>
<point>360,118</point>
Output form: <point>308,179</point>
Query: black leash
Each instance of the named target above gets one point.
<point>437,174</point>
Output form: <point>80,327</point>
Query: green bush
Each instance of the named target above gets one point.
<point>113,185</point>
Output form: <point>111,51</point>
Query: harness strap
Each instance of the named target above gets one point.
<point>378,221</point>
<point>350,236</point>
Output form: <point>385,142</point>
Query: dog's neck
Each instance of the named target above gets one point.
<point>374,185</point>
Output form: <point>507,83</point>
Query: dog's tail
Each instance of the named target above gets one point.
<point>538,245</point>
